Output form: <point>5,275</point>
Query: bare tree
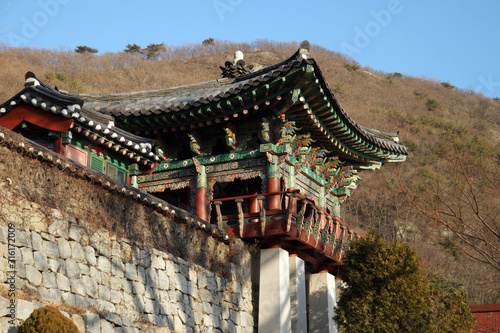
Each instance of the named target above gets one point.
<point>464,207</point>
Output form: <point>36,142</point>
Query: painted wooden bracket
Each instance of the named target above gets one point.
<point>241,220</point>
<point>219,214</point>
<point>262,214</point>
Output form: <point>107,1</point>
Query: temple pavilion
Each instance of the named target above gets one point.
<point>267,155</point>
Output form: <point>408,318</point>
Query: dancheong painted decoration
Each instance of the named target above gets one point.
<point>268,155</point>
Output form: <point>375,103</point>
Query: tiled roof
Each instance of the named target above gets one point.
<point>40,94</point>
<point>351,139</point>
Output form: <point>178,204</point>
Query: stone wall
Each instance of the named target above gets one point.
<point>177,278</point>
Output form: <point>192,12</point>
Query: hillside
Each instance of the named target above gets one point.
<point>447,130</point>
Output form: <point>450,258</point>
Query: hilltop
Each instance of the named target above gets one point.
<point>438,122</point>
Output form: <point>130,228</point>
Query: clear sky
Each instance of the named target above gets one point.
<point>454,41</point>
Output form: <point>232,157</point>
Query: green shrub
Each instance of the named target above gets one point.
<point>432,104</point>
<point>447,85</point>
<point>351,67</point>
<point>47,319</point>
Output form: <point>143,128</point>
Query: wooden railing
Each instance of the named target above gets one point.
<point>299,218</point>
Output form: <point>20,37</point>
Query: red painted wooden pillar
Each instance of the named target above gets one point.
<point>273,185</point>
<point>253,188</point>
<point>59,147</point>
<point>201,193</point>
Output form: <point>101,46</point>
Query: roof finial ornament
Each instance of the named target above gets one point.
<point>304,49</point>
<point>238,56</point>
<point>31,80</point>
<point>237,67</point>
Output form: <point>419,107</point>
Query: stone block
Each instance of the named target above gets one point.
<point>151,277</point>
<point>79,323</point>
<point>115,297</point>
<point>141,274</point>
<point>138,288</point>
<point>117,283</point>
<point>126,252</point>
<point>23,309</point>
<point>75,233</point>
<point>104,264</point>
<point>163,280</point>
<point>113,318</point>
<point>130,271</point>
<point>202,280</point>
<point>157,261</point>
<point>37,221</point>
<point>91,287</point>
<point>50,249</point>
<point>103,305</point>
<point>95,274</point>
<point>51,295</point>
<point>82,301</point>
<point>68,298</point>
<point>106,279</point>
<point>148,305</point>
<point>77,252</point>
<point>84,268</point>
<point>49,280</point>
<point>151,293</point>
<point>128,301</point>
<point>170,268</point>
<point>103,291</point>
<point>138,303</point>
<point>27,255</point>
<point>90,255</point>
<point>59,228</point>
<point>180,282</point>
<point>117,267</point>
<point>94,240</point>
<point>20,270</point>
<point>105,245</point>
<point>53,265</point>
<point>92,322</point>
<point>193,276</point>
<point>145,259</point>
<point>64,248</point>
<point>106,326</point>
<point>36,241</point>
<point>115,249</point>
<point>33,275</point>
<point>71,268</point>
<point>40,260</point>
<point>78,287</point>
<point>23,238</point>
<point>211,283</point>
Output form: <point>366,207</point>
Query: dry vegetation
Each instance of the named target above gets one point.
<point>426,112</point>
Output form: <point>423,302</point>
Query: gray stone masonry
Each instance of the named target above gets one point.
<point>111,284</point>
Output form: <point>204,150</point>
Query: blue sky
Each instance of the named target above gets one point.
<point>453,41</point>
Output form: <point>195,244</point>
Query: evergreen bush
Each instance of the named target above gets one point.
<point>47,320</point>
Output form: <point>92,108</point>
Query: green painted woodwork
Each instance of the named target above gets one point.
<point>96,163</point>
<point>201,177</point>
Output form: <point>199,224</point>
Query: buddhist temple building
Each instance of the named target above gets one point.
<point>267,155</point>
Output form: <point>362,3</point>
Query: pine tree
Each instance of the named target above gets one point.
<point>85,49</point>
<point>386,290</point>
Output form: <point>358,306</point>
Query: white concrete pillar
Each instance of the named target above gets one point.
<point>322,301</point>
<point>298,300</point>
<point>274,291</point>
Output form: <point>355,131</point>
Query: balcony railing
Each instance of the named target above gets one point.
<point>300,227</point>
